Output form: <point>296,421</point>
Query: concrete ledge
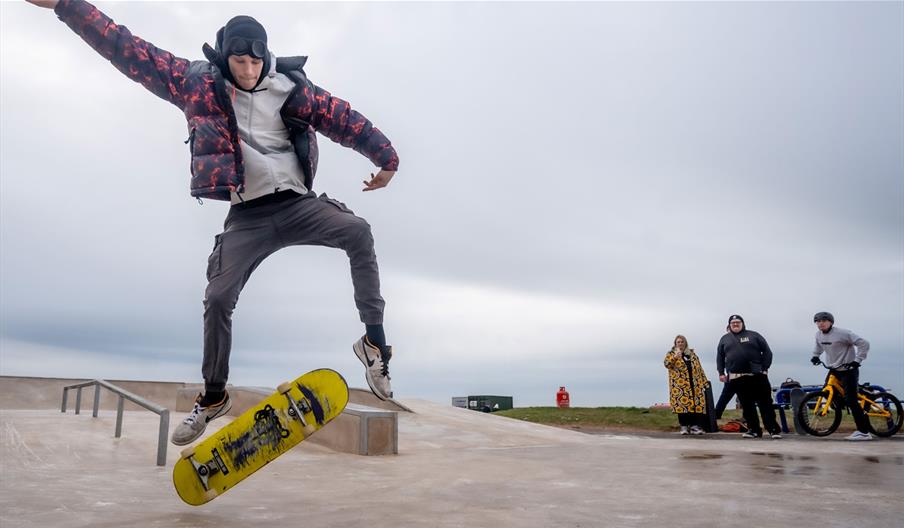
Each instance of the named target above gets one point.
<point>366,397</point>
<point>362,430</point>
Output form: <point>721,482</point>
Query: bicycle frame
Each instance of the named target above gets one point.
<point>833,387</point>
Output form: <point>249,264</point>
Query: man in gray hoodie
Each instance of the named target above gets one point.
<point>844,351</point>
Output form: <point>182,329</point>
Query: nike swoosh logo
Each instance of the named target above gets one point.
<point>369,361</point>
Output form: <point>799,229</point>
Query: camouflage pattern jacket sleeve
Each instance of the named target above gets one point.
<point>335,119</point>
<point>157,70</point>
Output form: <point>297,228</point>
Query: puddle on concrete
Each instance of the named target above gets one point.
<point>782,456</point>
<point>805,471</point>
<point>783,469</point>
<point>896,460</point>
<point>701,456</point>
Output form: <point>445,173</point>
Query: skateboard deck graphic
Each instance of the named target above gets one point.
<point>262,433</point>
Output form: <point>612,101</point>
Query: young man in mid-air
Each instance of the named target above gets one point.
<point>251,120</point>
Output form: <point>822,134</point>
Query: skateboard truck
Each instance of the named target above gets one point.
<point>297,409</point>
<point>204,471</point>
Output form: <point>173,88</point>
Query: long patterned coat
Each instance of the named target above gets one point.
<point>686,389</point>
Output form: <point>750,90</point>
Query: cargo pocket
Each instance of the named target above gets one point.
<point>335,203</point>
<point>214,264</point>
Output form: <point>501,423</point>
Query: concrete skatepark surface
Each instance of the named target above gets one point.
<point>455,467</point>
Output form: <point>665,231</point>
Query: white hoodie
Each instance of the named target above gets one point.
<point>269,157</point>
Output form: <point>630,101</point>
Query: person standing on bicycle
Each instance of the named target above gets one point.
<point>844,351</point>
<point>747,358</point>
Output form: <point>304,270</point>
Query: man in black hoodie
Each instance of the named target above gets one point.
<point>747,357</point>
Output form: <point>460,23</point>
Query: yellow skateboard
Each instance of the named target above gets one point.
<point>283,420</point>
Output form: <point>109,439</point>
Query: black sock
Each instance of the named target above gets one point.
<point>376,336</point>
<point>212,397</point>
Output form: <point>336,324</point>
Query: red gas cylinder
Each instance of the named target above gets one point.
<point>562,399</point>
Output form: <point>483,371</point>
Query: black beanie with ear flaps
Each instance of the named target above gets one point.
<point>242,35</point>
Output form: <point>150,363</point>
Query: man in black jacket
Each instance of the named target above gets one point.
<point>747,358</point>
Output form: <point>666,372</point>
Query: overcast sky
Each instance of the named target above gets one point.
<point>578,184</point>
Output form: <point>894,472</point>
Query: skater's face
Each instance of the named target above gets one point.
<point>823,325</point>
<point>246,70</point>
<point>736,326</point>
<point>680,343</point>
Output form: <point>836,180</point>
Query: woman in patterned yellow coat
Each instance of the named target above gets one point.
<point>687,386</point>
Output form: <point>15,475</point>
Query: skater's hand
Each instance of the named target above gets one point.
<point>378,181</point>
<point>723,378</point>
<point>48,4</point>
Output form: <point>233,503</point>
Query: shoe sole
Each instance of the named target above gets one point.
<point>362,357</point>
<point>221,412</point>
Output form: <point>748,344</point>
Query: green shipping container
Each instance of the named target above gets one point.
<point>489,403</point>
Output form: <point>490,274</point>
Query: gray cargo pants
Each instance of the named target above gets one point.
<point>251,234</point>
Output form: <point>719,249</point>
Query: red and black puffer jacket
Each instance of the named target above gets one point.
<point>199,90</point>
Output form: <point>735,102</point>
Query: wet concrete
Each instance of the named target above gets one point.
<point>455,468</point>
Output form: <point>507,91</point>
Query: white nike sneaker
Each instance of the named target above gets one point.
<point>376,364</point>
<point>195,423</point>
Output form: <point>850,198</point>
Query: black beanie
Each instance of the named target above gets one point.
<point>243,27</point>
<point>737,317</point>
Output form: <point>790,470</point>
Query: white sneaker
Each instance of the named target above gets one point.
<point>684,430</point>
<point>195,423</point>
<point>376,364</point>
<point>858,436</point>
<point>696,430</point>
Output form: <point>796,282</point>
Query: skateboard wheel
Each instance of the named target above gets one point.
<point>309,430</point>
<point>284,387</point>
<point>187,452</point>
<point>210,495</point>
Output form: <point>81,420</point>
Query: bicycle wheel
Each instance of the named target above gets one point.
<point>814,416</point>
<point>880,423</point>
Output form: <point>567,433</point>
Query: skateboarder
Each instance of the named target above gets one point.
<point>844,351</point>
<point>251,122</point>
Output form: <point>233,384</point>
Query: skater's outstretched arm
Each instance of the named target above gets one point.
<point>335,119</point>
<point>157,70</point>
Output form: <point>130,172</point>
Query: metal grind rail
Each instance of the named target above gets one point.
<point>123,395</point>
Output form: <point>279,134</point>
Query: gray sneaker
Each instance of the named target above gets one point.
<point>684,430</point>
<point>696,430</point>
<point>857,436</point>
<point>195,423</point>
<point>376,364</point>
